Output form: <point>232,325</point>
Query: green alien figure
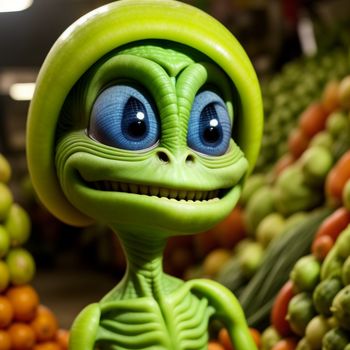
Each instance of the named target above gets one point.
<point>147,117</point>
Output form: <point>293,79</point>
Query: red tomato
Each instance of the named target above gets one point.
<point>280,309</point>
<point>321,247</point>
<point>313,119</point>
<point>334,224</point>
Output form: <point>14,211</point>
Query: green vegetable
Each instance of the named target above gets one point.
<point>269,228</point>
<point>294,219</point>
<point>252,185</point>
<point>269,338</point>
<point>315,330</point>
<point>324,294</point>
<point>335,339</point>
<point>231,275</point>
<point>316,163</point>
<point>306,273</point>
<point>341,307</point>
<point>292,194</point>
<point>346,272</point>
<point>260,205</point>
<point>281,255</point>
<point>322,139</point>
<point>332,265</point>
<point>250,258</point>
<point>342,245</point>
<point>300,312</point>
<point>337,122</point>
<point>303,345</point>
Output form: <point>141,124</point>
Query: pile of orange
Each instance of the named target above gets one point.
<point>25,324</point>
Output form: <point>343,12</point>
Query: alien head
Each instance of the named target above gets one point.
<point>147,115</point>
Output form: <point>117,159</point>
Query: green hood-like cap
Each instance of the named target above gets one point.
<point>105,29</point>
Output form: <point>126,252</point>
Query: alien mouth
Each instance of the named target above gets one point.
<point>160,192</point>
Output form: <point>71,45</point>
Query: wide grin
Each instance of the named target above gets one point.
<point>160,192</point>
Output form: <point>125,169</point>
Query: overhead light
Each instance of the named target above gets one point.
<point>14,5</point>
<point>22,91</point>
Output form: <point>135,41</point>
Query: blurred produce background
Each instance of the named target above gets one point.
<point>301,52</point>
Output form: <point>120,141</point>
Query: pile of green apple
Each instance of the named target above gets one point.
<point>17,265</point>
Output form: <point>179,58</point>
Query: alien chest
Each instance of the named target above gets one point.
<point>175,324</point>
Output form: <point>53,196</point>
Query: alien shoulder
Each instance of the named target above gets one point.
<point>85,327</point>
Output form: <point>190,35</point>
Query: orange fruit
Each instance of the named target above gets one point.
<point>256,335</point>
<point>5,340</point>
<point>6,312</point>
<point>224,339</point>
<point>214,345</point>
<point>50,345</point>
<point>22,336</point>
<point>231,230</point>
<point>25,301</point>
<point>62,338</point>
<point>44,324</point>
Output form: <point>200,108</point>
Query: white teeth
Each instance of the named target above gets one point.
<point>164,192</point>
<point>182,194</point>
<point>190,195</point>
<point>144,189</point>
<point>198,196</point>
<point>134,188</point>
<point>124,187</point>
<point>154,191</point>
<point>173,193</point>
<point>115,186</point>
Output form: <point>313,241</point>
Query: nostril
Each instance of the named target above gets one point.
<point>163,157</point>
<point>189,159</point>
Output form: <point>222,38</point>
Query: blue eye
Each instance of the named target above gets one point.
<point>209,127</point>
<point>123,117</point>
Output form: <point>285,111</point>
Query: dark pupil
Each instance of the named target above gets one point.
<point>137,128</point>
<point>135,119</point>
<point>211,132</point>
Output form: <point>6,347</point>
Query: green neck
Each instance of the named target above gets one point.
<point>144,275</point>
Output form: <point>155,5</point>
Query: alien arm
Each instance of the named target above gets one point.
<point>227,309</point>
<point>85,327</point>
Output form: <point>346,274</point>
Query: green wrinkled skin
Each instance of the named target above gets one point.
<point>160,190</point>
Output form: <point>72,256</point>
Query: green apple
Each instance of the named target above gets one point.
<point>5,169</point>
<point>18,225</point>
<point>21,266</point>
<point>6,200</point>
<point>4,241</point>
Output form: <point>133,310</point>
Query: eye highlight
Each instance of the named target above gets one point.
<point>209,127</point>
<point>124,117</point>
